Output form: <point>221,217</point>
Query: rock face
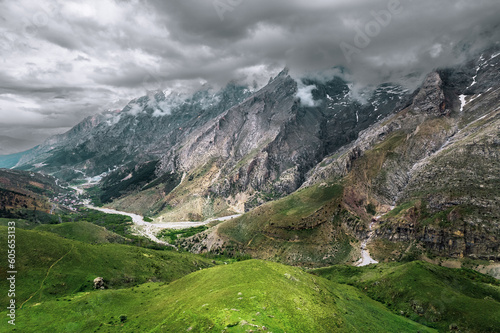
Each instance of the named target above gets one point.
<point>439,167</point>
<point>235,149</point>
<point>430,98</point>
<point>142,131</point>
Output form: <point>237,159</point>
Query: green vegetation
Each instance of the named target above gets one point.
<point>226,258</point>
<point>84,232</point>
<point>169,181</point>
<point>51,267</point>
<point>435,296</point>
<point>382,249</point>
<point>284,213</point>
<point>201,170</point>
<point>302,228</point>
<point>367,167</point>
<point>371,209</point>
<point>94,193</point>
<point>20,223</point>
<point>172,235</point>
<point>61,157</point>
<point>442,218</point>
<point>116,223</point>
<point>32,216</point>
<point>56,287</point>
<point>400,208</point>
<point>125,181</point>
<point>250,295</point>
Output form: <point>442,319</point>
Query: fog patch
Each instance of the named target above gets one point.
<point>304,94</point>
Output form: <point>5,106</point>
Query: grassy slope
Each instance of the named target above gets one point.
<point>299,228</point>
<point>20,223</point>
<point>240,297</point>
<point>428,294</point>
<point>83,231</point>
<point>119,265</point>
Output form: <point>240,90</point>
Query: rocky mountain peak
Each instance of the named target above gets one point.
<point>430,99</point>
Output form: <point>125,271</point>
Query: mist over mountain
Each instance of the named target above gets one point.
<point>67,61</point>
<point>236,166</point>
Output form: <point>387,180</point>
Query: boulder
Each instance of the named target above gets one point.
<point>99,283</point>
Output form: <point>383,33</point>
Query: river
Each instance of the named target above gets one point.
<point>150,230</point>
<point>366,259</point>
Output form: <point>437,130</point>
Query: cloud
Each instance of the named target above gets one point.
<point>70,59</point>
<point>304,94</point>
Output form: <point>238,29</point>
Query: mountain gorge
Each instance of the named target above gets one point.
<point>307,178</point>
<point>188,158</point>
<point>417,161</point>
<point>257,146</point>
<point>250,166</point>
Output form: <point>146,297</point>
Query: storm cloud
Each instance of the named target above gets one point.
<point>65,60</point>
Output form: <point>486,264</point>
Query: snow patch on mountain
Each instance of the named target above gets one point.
<point>463,102</point>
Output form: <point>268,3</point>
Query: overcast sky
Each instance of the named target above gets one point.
<point>64,60</point>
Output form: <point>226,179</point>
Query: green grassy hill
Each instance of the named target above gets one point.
<point>50,266</point>
<point>431,295</point>
<point>247,296</point>
<point>84,232</point>
<point>303,228</point>
<point>20,223</point>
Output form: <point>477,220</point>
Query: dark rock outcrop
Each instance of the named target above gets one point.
<point>430,99</point>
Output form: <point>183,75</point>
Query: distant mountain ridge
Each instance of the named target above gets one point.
<point>11,160</point>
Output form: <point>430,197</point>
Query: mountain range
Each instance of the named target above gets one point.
<point>423,164</point>
<point>289,187</point>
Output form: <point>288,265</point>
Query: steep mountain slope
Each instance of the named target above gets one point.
<point>302,228</point>
<point>27,194</point>
<point>190,158</point>
<point>258,150</point>
<point>419,160</point>
<point>423,160</point>
<point>217,153</point>
<point>11,160</point>
<point>144,130</point>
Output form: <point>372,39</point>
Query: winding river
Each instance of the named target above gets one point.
<point>150,230</point>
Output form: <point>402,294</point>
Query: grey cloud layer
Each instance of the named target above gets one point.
<point>64,60</point>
